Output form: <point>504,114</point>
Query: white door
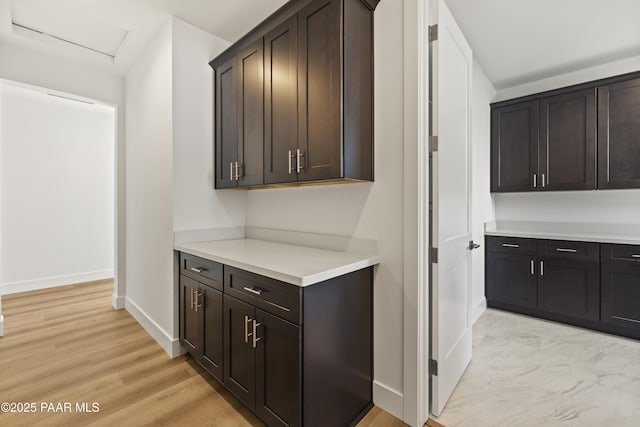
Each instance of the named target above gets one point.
<point>451,194</point>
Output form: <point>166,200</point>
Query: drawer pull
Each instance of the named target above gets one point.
<point>253,290</point>
<point>573,251</point>
<point>635,256</point>
<point>197,269</point>
<point>510,245</point>
<point>277,305</point>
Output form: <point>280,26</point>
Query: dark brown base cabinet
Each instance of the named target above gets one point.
<point>584,284</point>
<point>295,356</point>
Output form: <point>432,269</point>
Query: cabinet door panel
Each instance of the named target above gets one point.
<point>319,85</point>
<point>281,102</point>
<point>189,330</point>
<point>226,119</point>
<point>211,326</point>
<point>514,147</point>
<point>239,356</point>
<point>621,294</point>
<point>511,279</point>
<point>250,114</point>
<point>619,135</point>
<point>278,381</point>
<point>569,288</point>
<point>568,141</point>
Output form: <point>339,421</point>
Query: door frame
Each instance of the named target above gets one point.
<point>416,259</point>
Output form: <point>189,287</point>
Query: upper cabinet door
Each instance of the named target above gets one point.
<point>251,114</point>
<point>619,135</point>
<point>281,103</point>
<point>514,147</point>
<point>226,124</point>
<point>568,141</point>
<point>319,88</point>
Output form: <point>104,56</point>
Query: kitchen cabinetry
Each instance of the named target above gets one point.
<point>619,134</point>
<point>514,147</point>
<point>621,287</point>
<point>303,97</point>
<point>569,279</point>
<point>587,284</point>
<point>511,271</point>
<point>200,311</point>
<point>577,138</point>
<point>288,347</point>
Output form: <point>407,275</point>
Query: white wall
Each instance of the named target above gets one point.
<point>609,206</point>
<point>483,209</point>
<point>366,210</point>
<point>149,239</point>
<point>57,190</point>
<point>47,71</point>
<point>196,205</point>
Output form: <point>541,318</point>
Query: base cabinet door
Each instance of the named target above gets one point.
<point>190,336</point>
<point>511,279</point>
<point>239,355</point>
<point>278,382</point>
<point>621,287</point>
<point>210,312</point>
<point>569,288</point>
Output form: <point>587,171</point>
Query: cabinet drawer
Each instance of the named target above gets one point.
<point>202,270</point>
<point>628,253</point>
<point>578,251</point>
<point>273,296</point>
<point>511,245</point>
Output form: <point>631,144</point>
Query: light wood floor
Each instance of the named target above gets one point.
<point>68,345</point>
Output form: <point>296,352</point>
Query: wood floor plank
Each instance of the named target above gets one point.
<point>67,344</point>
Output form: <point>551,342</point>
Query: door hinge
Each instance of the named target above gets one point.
<point>433,143</point>
<point>433,33</point>
<point>433,367</point>
<point>434,255</point>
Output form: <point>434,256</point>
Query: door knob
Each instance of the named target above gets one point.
<point>472,245</point>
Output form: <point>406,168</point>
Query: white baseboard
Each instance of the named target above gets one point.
<point>478,309</point>
<point>52,282</point>
<point>388,399</point>
<point>1,325</point>
<point>170,345</point>
<point>117,302</point>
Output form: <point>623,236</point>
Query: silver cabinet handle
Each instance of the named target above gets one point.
<point>635,256</point>
<point>543,183</point>
<point>510,245</point>
<point>255,333</point>
<point>298,163</point>
<point>197,269</point>
<point>573,251</point>
<point>231,171</point>
<point>247,334</point>
<point>533,268</point>
<point>541,268</point>
<point>197,304</point>
<point>191,290</point>
<point>237,174</point>
<point>290,166</point>
<point>253,290</point>
<point>535,180</point>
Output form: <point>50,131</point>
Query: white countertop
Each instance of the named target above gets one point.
<point>298,265</point>
<point>627,234</point>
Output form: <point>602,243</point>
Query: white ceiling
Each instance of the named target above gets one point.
<point>519,41</point>
<point>120,29</point>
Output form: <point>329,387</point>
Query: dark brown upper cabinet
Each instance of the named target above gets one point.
<point>619,135</point>
<point>583,137</point>
<point>302,111</point>
<point>568,141</point>
<point>514,147</point>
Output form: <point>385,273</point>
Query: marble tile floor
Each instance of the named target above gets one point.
<point>531,372</point>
